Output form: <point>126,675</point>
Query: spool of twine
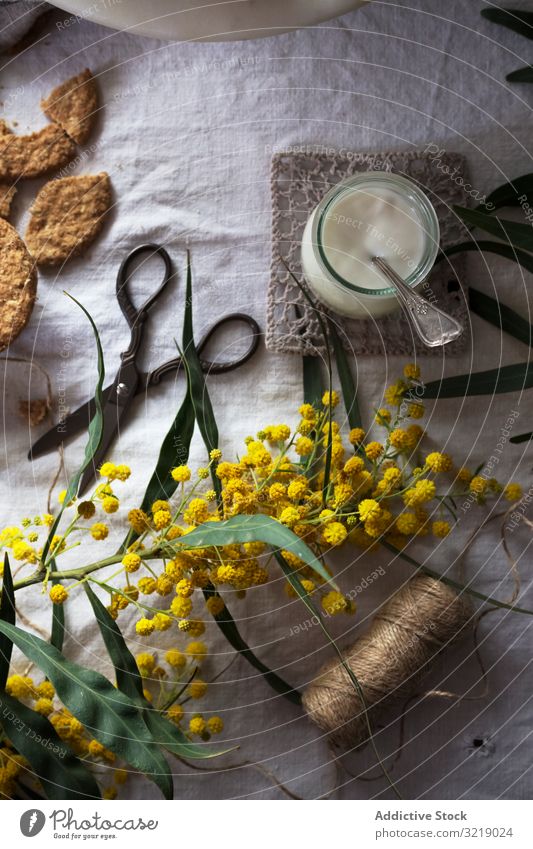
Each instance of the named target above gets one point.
<point>408,632</point>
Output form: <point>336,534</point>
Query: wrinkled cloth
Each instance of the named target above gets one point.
<point>186,133</point>
<point>16,18</point>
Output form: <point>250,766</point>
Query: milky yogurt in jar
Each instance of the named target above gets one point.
<point>373,214</point>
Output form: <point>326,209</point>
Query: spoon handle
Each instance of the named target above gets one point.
<point>433,325</point>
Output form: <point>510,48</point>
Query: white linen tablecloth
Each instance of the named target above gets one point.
<point>186,134</point>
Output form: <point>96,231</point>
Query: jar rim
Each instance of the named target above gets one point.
<point>425,208</point>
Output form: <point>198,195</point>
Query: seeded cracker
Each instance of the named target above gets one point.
<point>33,155</point>
<point>74,105</point>
<point>34,411</point>
<point>7,193</point>
<point>18,284</point>
<point>66,217</point>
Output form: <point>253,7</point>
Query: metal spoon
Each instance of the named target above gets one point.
<point>433,325</point>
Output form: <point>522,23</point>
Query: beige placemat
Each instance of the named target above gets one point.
<point>299,181</point>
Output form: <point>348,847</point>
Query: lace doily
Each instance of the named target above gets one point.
<point>299,181</point>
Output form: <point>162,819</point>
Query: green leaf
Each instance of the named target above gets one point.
<point>7,614</point>
<point>108,714</point>
<point>323,329</point>
<point>295,582</point>
<point>312,380</point>
<point>203,409</point>
<point>313,391</point>
<point>95,433</point>
<point>23,792</point>
<point>61,773</point>
<point>171,737</point>
<point>97,422</point>
<point>127,674</point>
<point>507,251</point>
<point>508,194</point>
<point>312,374</point>
<point>495,381</point>
<point>175,447</point>
<point>515,19</point>
<point>240,529</point>
<point>522,437</point>
<point>518,21</point>
<point>57,635</point>
<point>174,451</point>
<point>500,316</point>
<point>227,625</point>
<point>349,392</point>
<point>519,235</point>
<point>253,528</point>
<point>522,75</point>
<point>455,584</point>
<point>130,682</point>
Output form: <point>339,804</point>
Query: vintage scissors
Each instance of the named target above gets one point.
<point>129,381</point>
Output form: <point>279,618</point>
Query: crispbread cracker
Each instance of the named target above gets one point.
<point>7,193</point>
<point>34,411</point>
<point>66,216</point>
<point>74,105</point>
<point>18,284</point>
<point>33,155</point>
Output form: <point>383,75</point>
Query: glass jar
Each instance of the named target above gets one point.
<point>339,294</point>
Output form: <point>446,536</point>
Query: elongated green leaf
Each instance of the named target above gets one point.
<point>349,392</point>
<point>97,422</point>
<point>313,392</point>
<point>500,316</point>
<point>312,380</point>
<point>129,682</point>
<point>175,447</point>
<point>327,463</point>
<point>95,433</point>
<point>171,738</point>
<point>518,20</point>
<point>455,584</point>
<point>311,374</point>
<point>495,381</point>
<point>57,635</point>
<point>507,251</point>
<point>295,582</point>
<point>240,529</point>
<point>227,625</point>
<point>7,614</point>
<point>61,773</point>
<point>513,193</point>
<point>127,673</point>
<point>521,437</point>
<point>108,714</point>
<point>522,75</point>
<point>23,792</point>
<point>517,234</point>
<point>253,528</point>
<point>174,451</point>
<point>318,312</point>
<point>204,415</point>
<point>203,409</point>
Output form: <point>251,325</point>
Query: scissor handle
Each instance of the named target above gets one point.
<point>135,316</point>
<point>216,366</point>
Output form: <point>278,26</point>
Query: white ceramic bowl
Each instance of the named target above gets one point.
<point>218,20</point>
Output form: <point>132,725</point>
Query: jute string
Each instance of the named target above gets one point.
<point>417,622</point>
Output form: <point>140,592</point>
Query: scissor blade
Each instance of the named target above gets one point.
<point>112,414</point>
<point>74,423</point>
